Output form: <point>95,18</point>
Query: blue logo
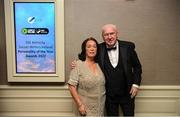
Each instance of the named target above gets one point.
<point>31,20</point>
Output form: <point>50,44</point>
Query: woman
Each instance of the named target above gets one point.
<point>86,82</point>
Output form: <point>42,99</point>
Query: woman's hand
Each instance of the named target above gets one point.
<point>82,110</point>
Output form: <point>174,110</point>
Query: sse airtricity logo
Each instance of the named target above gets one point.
<point>31,20</point>
<point>24,31</point>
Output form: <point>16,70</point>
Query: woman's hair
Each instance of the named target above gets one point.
<point>82,55</point>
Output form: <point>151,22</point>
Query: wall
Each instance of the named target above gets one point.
<point>20,101</point>
<point>154,25</point>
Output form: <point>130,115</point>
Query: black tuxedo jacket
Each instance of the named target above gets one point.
<point>131,63</point>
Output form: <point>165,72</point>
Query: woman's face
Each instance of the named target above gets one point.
<point>91,49</point>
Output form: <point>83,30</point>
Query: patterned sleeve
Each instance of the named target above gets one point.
<point>74,76</point>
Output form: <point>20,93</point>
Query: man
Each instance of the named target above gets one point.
<point>122,69</point>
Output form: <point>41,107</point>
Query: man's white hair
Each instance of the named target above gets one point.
<point>109,25</point>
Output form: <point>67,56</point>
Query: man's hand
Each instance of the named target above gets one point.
<point>73,64</point>
<point>134,91</point>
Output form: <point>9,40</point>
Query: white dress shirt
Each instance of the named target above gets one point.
<point>114,55</point>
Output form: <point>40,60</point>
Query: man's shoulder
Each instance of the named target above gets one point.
<point>102,44</point>
<point>126,43</point>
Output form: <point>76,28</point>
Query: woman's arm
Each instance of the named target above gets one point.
<point>76,97</point>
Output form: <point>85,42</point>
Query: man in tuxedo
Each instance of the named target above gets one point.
<point>122,69</point>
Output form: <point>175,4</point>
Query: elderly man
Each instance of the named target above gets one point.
<point>122,69</point>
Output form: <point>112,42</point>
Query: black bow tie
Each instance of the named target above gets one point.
<point>112,48</point>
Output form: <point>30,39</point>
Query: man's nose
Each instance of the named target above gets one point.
<point>109,36</point>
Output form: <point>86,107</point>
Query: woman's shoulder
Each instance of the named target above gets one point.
<point>77,66</point>
<point>80,62</point>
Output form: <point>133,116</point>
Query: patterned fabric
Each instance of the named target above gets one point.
<point>91,88</point>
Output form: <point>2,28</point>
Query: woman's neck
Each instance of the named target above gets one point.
<point>92,65</point>
<point>90,60</point>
